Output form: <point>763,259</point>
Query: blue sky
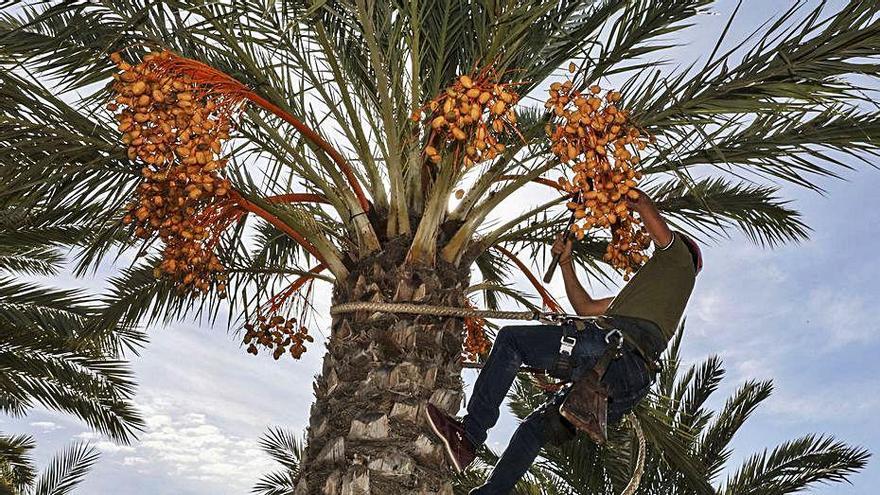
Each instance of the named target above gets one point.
<point>804,315</point>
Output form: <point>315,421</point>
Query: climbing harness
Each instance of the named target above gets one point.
<point>586,404</point>
<point>546,317</point>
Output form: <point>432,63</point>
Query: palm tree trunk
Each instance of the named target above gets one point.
<point>367,433</point>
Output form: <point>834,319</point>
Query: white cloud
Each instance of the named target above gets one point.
<point>134,461</point>
<point>826,404</point>
<point>46,426</point>
<point>753,368</point>
<point>708,307</point>
<point>186,444</point>
<point>105,446</point>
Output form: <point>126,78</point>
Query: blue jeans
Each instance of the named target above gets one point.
<point>627,379</point>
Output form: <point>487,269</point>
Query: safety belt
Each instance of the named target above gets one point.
<point>564,363</point>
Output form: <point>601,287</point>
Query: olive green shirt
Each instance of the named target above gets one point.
<point>660,290</point>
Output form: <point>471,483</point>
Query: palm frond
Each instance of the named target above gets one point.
<point>714,447</point>
<point>17,469</point>
<point>691,412</point>
<point>492,290</point>
<point>796,147</point>
<point>285,449</point>
<point>58,156</point>
<point>642,29</point>
<point>50,356</point>
<point>796,465</point>
<point>96,390</point>
<point>797,60</point>
<point>29,260</point>
<point>712,206</point>
<point>66,470</point>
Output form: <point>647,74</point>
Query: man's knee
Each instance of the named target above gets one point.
<point>505,336</point>
<point>531,430</point>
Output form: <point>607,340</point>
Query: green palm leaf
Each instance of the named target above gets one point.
<point>66,470</point>
<point>756,211</point>
<point>52,354</point>
<point>287,450</point>
<point>797,464</point>
<point>16,464</point>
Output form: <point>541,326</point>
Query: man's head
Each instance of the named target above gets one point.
<point>696,254</point>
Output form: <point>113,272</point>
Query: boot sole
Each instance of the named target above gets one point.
<point>446,446</point>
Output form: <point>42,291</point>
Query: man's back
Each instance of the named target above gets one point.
<point>660,290</point>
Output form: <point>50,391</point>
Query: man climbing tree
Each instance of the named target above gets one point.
<point>247,151</point>
<point>646,313</point>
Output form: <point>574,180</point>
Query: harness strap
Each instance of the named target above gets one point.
<point>652,363</point>
<point>564,363</point>
<point>614,339</point>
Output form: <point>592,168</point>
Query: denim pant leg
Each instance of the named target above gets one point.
<point>524,447</point>
<point>526,443</point>
<point>533,345</point>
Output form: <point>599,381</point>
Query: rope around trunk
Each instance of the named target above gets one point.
<point>427,309</point>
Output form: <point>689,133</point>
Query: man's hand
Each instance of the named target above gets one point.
<point>562,247</point>
<point>639,204</point>
<point>651,218</point>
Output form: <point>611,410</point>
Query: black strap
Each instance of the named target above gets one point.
<point>564,363</point>
<point>614,339</point>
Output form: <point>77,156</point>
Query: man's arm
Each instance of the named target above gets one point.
<point>580,299</point>
<point>657,227</point>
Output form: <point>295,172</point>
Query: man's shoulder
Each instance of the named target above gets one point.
<point>675,252</point>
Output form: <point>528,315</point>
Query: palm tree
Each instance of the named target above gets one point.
<point>331,174</point>
<point>64,473</point>
<point>679,397</point>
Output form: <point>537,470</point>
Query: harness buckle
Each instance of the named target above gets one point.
<point>615,335</point>
<point>614,339</point>
<point>566,345</point>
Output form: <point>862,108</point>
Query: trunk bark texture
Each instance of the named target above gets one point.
<point>367,432</point>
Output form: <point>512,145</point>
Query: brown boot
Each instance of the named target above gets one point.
<point>458,447</point>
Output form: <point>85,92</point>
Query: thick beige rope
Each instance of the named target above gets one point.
<point>427,309</point>
<point>636,479</point>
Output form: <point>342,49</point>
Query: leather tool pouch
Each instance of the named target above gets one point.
<point>586,407</point>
